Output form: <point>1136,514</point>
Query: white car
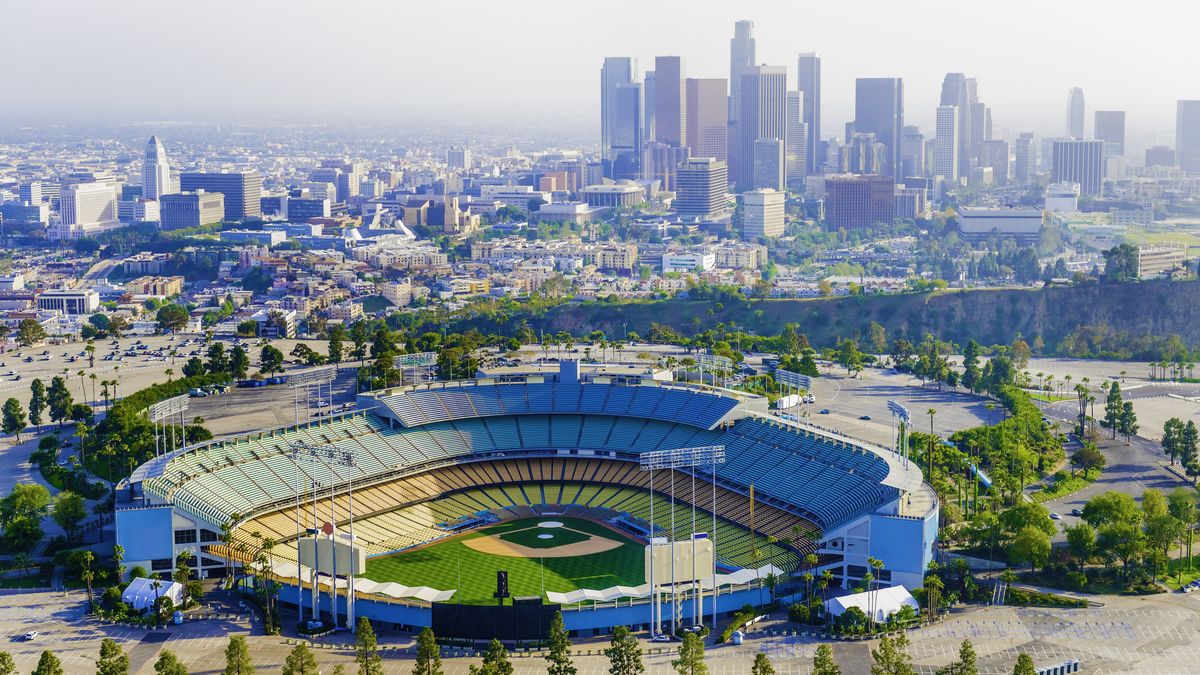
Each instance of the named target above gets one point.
<point>31,635</point>
<point>1055,516</point>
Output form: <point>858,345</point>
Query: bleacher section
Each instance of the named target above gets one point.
<point>824,480</point>
<point>686,405</point>
<point>527,487</point>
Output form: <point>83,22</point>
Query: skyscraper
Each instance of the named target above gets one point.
<point>156,173</point>
<point>764,214</point>
<point>670,102</point>
<point>616,71</point>
<point>1075,112</point>
<point>1024,158</point>
<point>741,55</point>
<point>955,93</point>
<point>1187,135</point>
<point>808,83</point>
<point>879,110</point>
<point>912,152</point>
<point>763,110</point>
<point>947,151</point>
<point>857,202</point>
<point>1110,128</point>
<point>708,117</point>
<point>796,152</point>
<point>994,154</point>
<point>649,105</point>
<point>1078,160</point>
<point>770,164</point>
<point>700,191</point>
<point>242,190</point>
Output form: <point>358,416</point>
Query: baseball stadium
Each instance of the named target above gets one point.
<point>576,487</point>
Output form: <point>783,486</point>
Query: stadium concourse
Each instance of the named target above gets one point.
<point>434,465</point>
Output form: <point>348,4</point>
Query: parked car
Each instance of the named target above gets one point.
<point>31,635</point>
<point>823,411</point>
<point>1055,516</point>
<point>864,417</point>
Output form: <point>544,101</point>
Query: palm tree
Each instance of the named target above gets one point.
<point>169,372</point>
<point>82,385</point>
<point>91,353</point>
<point>931,412</point>
<point>92,377</point>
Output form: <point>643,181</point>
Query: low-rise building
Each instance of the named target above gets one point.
<point>260,237</point>
<point>1159,261</point>
<point>977,224</point>
<point>69,300</point>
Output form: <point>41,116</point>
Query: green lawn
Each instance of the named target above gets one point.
<point>443,564</point>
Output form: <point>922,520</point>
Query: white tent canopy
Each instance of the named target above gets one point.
<point>140,593</point>
<point>885,602</point>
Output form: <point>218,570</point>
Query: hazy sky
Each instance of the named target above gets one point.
<point>371,60</point>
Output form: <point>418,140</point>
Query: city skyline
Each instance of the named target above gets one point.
<point>254,76</point>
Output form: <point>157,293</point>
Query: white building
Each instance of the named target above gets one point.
<point>1062,197</point>
<point>762,214</point>
<point>69,300</point>
<point>686,262</point>
<point>977,224</point>
<point>86,209</point>
<point>945,153</point>
<point>156,172</point>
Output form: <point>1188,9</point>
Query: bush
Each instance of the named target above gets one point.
<point>1020,597</point>
<point>798,613</point>
<point>740,617</point>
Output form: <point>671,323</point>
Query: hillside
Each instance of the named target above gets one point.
<point>1156,309</point>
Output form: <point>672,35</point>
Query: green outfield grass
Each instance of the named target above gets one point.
<point>443,564</point>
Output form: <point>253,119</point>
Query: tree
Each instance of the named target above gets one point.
<point>1111,507</point>
<point>1030,545</point>
<point>7,665</point>
<point>1024,665</point>
<point>1088,457</point>
<point>59,398</point>
<point>37,402</point>
<point>1112,409</point>
<point>762,665</point>
<point>624,653</point>
<point>30,332</point>
<point>1121,263</point>
<point>1081,542</point>
<point>300,661</point>
<point>971,374</point>
<point>113,660</point>
<point>218,360</point>
<point>337,335</point>
<point>194,367</point>
<point>890,658</point>
<point>366,652</point>
<point>558,657</point>
<point>48,664</point>
<point>25,500</point>
<point>823,663</point>
<point>691,656</point>
<point>1172,437</point>
<point>965,665</point>
<point>69,512</point>
<point>14,418</point>
<point>238,657</point>
<point>495,661</point>
<point>429,657</point>
<point>271,360</point>
<point>239,363</point>
<point>848,356</point>
<point>168,664</point>
<point>1127,423</point>
<point>172,317</point>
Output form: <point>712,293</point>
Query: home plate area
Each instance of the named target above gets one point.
<point>542,539</point>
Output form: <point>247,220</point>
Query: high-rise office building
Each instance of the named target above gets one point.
<point>770,164</point>
<point>616,71</point>
<point>796,152</point>
<point>1187,135</point>
<point>863,154</point>
<point>857,202</point>
<point>242,190</point>
<point>1024,158</point>
<point>156,173</point>
<point>1110,128</point>
<point>648,105</point>
<point>670,101</point>
<point>912,152</point>
<point>700,189</point>
<point>741,55</point>
<point>763,214</point>
<point>457,157</point>
<point>1160,155</point>
<point>347,177</point>
<point>947,153</point>
<point>85,209</point>
<point>190,209</point>
<point>628,134</point>
<point>955,92</point>
<point>763,110</point>
<point>879,110</point>
<point>1075,113</point>
<point>993,154</point>
<point>808,83</point>
<point>659,162</point>
<point>1081,161</point>
<point>708,117</point>
<point>30,192</point>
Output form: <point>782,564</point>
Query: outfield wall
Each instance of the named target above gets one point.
<point>586,619</point>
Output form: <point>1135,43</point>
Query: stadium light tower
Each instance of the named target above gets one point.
<point>306,380</point>
<point>330,456</point>
<point>681,458</point>
<point>165,412</point>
